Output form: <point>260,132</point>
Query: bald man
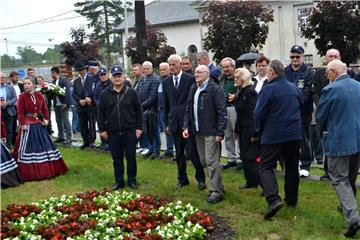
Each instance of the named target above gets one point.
<point>339,120</point>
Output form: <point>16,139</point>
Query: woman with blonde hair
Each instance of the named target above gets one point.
<point>245,127</point>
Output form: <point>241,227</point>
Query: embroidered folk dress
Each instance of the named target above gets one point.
<point>37,156</point>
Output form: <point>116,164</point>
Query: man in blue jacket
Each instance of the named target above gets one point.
<point>338,116</point>
<point>278,120</point>
<point>298,73</point>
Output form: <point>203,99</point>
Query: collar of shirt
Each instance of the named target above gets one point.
<point>179,76</point>
<point>257,77</point>
<point>340,76</point>
<point>203,85</point>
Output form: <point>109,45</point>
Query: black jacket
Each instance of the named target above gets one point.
<point>212,114</point>
<point>128,115</point>
<point>302,78</point>
<point>80,91</point>
<point>175,101</point>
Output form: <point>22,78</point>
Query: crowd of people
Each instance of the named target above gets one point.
<point>292,115</point>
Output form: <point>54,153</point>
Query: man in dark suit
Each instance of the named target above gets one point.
<point>19,88</point>
<point>176,89</point>
<point>62,105</point>
<point>7,103</point>
<point>203,58</point>
<point>82,85</point>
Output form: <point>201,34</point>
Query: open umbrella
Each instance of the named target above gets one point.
<point>248,57</point>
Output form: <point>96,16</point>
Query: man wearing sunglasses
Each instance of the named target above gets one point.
<point>301,75</point>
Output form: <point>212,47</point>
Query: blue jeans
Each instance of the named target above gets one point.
<point>169,138</point>
<point>75,120</point>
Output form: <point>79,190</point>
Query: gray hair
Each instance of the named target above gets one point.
<point>175,57</point>
<point>164,64</point>
<point>203,54</point>
<point>232,61</point>
<point>245,76</point>
<point>147,63</point>
<point>278,67</point>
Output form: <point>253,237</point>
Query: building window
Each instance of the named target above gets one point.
<point>303,15</point>
<point>308,60</point>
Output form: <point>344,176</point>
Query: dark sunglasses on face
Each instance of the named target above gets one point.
<point>295,57</point>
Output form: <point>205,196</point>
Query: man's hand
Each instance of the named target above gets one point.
<point>3,140</point>
<point>235,135</point>
<point>104,135</point>
<point>254,139</point>
<point>24,127</point>
<point>3,103</point>
<point>88,101</point>
<point>167,131</point>
<point>45,122</point>
<point>138,133</point>
<point>218,139</point>
<point>63,106</point>
<point>82,102</point>
<point>185,133</point>
<point>231,97</point>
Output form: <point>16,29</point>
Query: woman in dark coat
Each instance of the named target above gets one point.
<point>245,127</point>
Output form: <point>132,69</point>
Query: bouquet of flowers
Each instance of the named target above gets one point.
<point>52,89</point>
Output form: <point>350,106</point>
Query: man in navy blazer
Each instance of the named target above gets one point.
<point>176,89</point>
<point>7,102</point>
<point>82,86</point>
<point>62,105</point>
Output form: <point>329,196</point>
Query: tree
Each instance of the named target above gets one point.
<point>53,55</point>
<point>29,56</point>
<point>235,27</point>
<point>335,24</point>
<point>157,50</point>
<point>81,49</point>
<point>104,17</point>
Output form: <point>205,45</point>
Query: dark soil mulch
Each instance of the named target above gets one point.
<point>221,231</point>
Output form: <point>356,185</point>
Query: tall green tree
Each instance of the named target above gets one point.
<point>29,56</point>
<point>335,24</point>
<point>235,27</point>
<point>157,50</point>
<point>103,16</point>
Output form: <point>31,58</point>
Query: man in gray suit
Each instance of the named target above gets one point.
<point>7,102</point>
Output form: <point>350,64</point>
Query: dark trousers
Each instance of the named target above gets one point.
<point>305,143</point>
<point>87,126</point>
<point>251,172</point>
<point>120,145</point>
<point>316,143</point>
<point>180,145</point>
<point>9,127</point>
<point>14,129</point>
<point>270,154</point>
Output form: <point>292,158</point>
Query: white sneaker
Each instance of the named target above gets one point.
<point>139,150</point>
<point>145,151</point>
<point>304,173</point>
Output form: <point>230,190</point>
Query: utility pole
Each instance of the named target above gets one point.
<point>125,36</point>
<point>141,43</point>
<point>7,47</point>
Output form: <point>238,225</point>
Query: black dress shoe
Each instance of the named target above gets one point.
<point>352,230</point>
<point>201,186</point>
<point>228,165</point>
<point>339,208</point>
<point>181,185</point>
<point>133,185</point>
<point>215,198</point>
<point>273,209</point>
<point>325,177</point>
<point>239,167</point>
<point>245,186</point>
<point>154,156</point>
<point>117,186</point>
<point>85,145</point>
<point>59,140</point>
<point>67,141</point>
<point>291,204</point>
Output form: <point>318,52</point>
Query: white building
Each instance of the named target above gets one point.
<point>180,22</point>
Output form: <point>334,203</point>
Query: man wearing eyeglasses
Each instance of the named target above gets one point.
<point>301,75</point>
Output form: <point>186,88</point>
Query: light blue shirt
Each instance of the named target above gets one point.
<point>196,99</point>
<point>3,92</point>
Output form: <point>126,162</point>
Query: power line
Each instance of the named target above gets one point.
<point>61,19</point>
<point>30,23</point>
<point>25,43</point>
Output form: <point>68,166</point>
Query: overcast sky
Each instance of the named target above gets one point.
<point>18,12</point>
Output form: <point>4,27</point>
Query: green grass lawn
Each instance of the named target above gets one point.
<point>315,217</point>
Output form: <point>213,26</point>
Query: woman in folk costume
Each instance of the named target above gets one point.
<point>10,176</point>
<point>37,156</point>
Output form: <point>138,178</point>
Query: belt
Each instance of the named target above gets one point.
<point>34,115</point>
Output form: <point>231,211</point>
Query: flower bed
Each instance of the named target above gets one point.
<point>105,215</point>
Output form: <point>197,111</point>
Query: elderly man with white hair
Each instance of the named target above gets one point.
<point>338,116</point>
<point>147,90</point>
